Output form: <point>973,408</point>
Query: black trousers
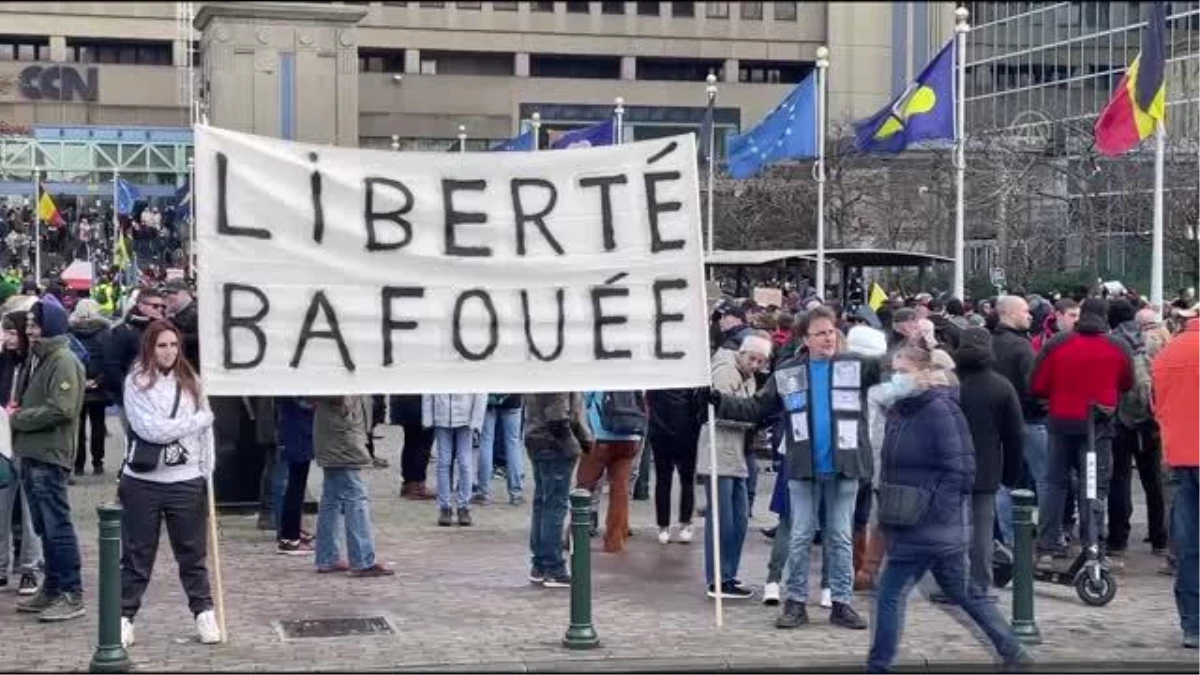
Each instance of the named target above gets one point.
<point>293,501</point>
<point>674,454</point>
<point>414,457</point>
<point>92,416</point>
<point>184,507</point>
<point>1140,445</point>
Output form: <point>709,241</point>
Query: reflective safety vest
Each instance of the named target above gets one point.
<point>105,296</point>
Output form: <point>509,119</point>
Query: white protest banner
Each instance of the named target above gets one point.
<point>327,270</point>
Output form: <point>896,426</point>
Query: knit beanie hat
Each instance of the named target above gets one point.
<point>52,319</point>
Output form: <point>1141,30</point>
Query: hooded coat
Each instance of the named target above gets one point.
<point>93,334</point>
<point>993,412</point>
<point>46,425</point>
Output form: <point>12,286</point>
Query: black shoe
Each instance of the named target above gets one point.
<point>939,598</point>
<point>464,517</point>
<point>446,518</point>
<point>536,576</point>
<point>3,582</point>
<point>817,539</point>
<point>844,615</point>
<point>29,584</point>
<point>729,591</point>
<point>795,614</point>
<point>79,471</point>
<point>98,470</point>
<point>70,480</point>
<point>641,496</point>
<point>594,528</point>
<point>769,532</point>
<point>560,580</point>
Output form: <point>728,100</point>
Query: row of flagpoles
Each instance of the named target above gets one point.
<point>931,109</point>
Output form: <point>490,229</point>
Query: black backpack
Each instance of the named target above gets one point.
<point>623,413</point>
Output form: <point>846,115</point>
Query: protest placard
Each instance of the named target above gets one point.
<point>327,270</point>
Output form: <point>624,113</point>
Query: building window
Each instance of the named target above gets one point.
<point>773,72</point>
<point>683,9</point>
<point>717,10</point>
<point>468,63</point>
<point>679,70</point>
<point>784,11</point>
<point>469,5</point>
<point>24,49</point>
<point>752,11</point>
<point>547,7</point>
<point>504,6</point>
<point>612,7</point>
<point>577,8</point>
<point>647,8</point>
<point>577,67</point>
<point>131,52</point>
<point>433,5</point>
<point>380,60</point>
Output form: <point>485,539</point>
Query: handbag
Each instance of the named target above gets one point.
<point>902,505</point>
<point>144,456</point>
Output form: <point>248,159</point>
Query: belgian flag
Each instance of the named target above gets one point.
<point>47,211</point>
<point>1140,101</point>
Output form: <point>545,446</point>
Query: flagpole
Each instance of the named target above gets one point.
<point>462,138</point>
<point>116,219</point>
<point>960,151</point>
<point>714,513</point>
<point>711,89</point>
<point>191,197</point>
<point>619,111</point>
<point>37,226</point>
<point>537,130</point>
<point>822,83</point>
<point>1156,236</point>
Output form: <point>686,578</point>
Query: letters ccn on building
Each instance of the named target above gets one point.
<point>421,63</point>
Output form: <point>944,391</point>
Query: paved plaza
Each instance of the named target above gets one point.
<point>460,601</point>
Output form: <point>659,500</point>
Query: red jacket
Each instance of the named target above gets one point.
<point>1082,367</point>
<point>1176,396</point>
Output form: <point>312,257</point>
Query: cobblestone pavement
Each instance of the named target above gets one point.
<point>460,601</point>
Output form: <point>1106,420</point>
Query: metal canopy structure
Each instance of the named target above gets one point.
<point>853,257</point>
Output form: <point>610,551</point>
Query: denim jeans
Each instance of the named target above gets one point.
<point>1069,451</point>
<point>344,493</point>
<point>551,493</point>
<point>453,445</point>
<point>12,497</point>
<point>506,424</point>
<point>1186,535</point>
<point>840,496</point>
<point>45,488</point>
<point>1035,447</point>
<point>899,576</point>
<point>732,510</point>
<point>279,479</point>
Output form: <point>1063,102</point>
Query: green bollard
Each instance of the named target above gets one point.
<point>1025,516</point>
<point>110,656</point>
<point>581,634</point>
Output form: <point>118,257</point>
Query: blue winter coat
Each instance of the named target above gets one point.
<point>928,445</point>
<point>295,429</point>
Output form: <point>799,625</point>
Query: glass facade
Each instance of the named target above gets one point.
<point>1040,197</point>
<point>82,161</point>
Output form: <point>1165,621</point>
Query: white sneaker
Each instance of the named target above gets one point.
<point>664,535</point>
<point>207,628</point>
<point>126,632</point>
<point>826,598</point>
<point>771,594</point>
<point>685,533</point>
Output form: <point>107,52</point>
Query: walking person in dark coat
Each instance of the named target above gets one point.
<point>993,411</point>
<point>927,451</point>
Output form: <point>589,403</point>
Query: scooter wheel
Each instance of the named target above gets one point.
<point>1096,593</point>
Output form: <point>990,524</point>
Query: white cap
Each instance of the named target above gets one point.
<point>757,344</point>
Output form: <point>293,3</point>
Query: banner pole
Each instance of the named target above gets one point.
<point>960,151</point>
<point>462,138</point>
<point>37,226</point>
<point>619,111</point>
<point>537,130</point>
<point>711,90</point>
<point>1156,235</point>
<point>822,78</point>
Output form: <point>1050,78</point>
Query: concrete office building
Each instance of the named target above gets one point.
<point>1038,75</point>
<point>105,85</point>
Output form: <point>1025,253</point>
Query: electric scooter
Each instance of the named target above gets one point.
<point>1088,572</point>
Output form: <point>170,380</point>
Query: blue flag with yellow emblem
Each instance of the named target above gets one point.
<point>788,132</point>
<point>924,112</point>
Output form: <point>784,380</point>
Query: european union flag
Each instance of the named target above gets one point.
<point>788,132</point>
<point>522,143</point>
<point>126,195</point>
<point>924,112</point>
<point>602,133</point>
<point>706,132</point>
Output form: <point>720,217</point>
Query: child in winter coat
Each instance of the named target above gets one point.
<point>456,420</point>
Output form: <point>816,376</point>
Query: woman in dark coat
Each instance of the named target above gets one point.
<point>928,457</point>
<point>91,329</point>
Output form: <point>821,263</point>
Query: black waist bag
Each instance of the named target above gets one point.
<point>142,455</point>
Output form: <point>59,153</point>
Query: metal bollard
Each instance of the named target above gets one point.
<point>110,656</point>
<point>1025,517</point>
<point>581,634</point>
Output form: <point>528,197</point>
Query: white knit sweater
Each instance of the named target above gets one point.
<point>149,414</point>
